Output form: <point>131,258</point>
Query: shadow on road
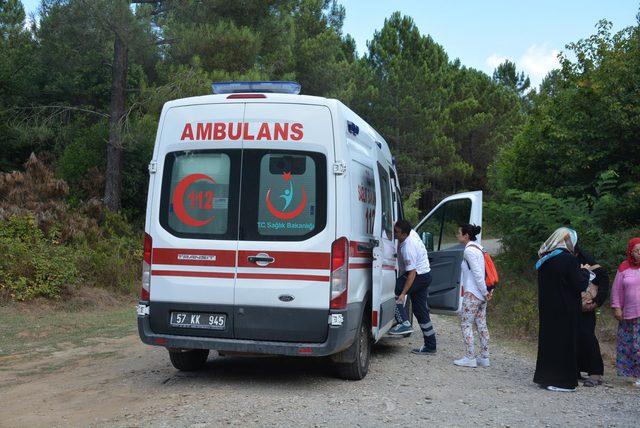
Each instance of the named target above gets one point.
<point>271,371</point>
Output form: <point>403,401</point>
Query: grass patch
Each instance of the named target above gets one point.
<point>46,328</point>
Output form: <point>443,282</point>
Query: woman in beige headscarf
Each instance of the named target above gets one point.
<point>562,238</point>
<point>561,280</point>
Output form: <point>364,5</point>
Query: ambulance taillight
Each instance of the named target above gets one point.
<point>339,273</point>
<point>146,268</point>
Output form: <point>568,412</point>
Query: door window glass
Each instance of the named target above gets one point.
<point>387,214</point>
<point>456,212</point>
<point>443,223</point>
<point>431,226</point>
<point>289,191</point>
<point>198,197</point>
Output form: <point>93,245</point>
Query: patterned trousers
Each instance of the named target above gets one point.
<point>474,311</point>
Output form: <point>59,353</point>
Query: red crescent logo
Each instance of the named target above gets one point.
<point>178,200</point>
<point>287,216</point>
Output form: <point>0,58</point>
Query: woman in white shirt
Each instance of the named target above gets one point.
<point>474,301</point>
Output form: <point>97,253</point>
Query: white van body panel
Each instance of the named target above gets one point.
<point>225,217</point>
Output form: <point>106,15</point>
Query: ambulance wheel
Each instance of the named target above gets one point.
<point>361,347</point>
<point>188,360</point>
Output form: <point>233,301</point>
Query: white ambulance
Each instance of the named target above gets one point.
<point>269,229</point>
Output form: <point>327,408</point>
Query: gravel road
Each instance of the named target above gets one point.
<point>121,382</point>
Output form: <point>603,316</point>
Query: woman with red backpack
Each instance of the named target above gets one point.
<point>476,296</point>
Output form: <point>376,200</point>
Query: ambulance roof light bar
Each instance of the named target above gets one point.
<point>275,87</point>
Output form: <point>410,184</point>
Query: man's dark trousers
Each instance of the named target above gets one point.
<point>418,295</point>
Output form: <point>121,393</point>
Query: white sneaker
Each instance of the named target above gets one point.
<point>558,389</point>
<point>637,383</point>
<point>466,362</point>
<point>483,362</point>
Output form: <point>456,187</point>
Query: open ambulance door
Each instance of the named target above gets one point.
<point>384,253</point>
<point>438,232</point>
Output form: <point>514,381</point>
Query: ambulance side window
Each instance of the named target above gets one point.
<point>443,224</point>
<point>387,212</point>
<point>397,196</point>
<point>457,212</point>
<point>199,194</point>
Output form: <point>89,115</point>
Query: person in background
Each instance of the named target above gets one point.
<point>625,301</point>
<point>561,280</point>
<point>476,296</point>
<point>589,356</point>
<point>415,278</point>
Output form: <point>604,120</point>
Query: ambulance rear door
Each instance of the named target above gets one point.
<point>384,252</point>
<point>194,223</point>
<point>286,229</point>
<point>438,231</point>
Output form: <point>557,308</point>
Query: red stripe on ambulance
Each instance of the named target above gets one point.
<point>283,276</point>
<point>360,249</point>
<point>194,257</point>
<point>288,259</point>
<point>192,274</point>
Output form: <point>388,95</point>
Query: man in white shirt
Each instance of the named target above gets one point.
<point>415,278</point>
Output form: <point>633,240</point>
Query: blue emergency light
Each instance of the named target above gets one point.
<point>275,87</point>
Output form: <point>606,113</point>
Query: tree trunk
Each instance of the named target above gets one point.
<point>113,175</point>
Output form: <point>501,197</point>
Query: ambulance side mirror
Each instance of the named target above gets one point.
<point>427,240</point>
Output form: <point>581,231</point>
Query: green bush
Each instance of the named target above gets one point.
<point>114,261</point>
<point>604,224</point>
<point>39,264</point>
<point>514,308</point>
<point>34,265</point>
<point>410,206</point>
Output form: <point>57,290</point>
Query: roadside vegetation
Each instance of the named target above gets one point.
<point>42,326</point>
<point>574,162</point>
<point>52,247</point>
<point>74,168</point>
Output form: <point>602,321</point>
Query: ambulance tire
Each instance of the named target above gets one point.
<point>361,347</point>
<point>189,360</point>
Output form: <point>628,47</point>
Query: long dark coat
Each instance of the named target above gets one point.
<point>589,356</point>
<point>560,282</point>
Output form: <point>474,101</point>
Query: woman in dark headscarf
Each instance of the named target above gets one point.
<point>561,280</point>
<point>589,356</point>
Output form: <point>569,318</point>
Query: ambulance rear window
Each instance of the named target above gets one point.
<point>198,199</point>
<point>289,190</point>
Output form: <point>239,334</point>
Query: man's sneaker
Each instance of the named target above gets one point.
<point>483,362</point>
<point>403,329</point>
<point>423,350</point>
<point>637,383</point>
<point>558,389</point>
<point>466,362</point>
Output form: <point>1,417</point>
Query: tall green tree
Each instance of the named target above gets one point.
<point>585,121</point>
<point>17,70</point>
<point>507,75</point>
<point>405,91</point>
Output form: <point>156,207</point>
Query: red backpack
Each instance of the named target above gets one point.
<point>491,277</point>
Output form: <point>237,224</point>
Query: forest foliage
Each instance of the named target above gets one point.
<point>562,153</point>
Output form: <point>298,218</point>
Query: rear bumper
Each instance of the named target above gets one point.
<point>339,337</point>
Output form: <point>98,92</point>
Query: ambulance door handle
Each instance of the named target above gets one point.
<point>261,260</point>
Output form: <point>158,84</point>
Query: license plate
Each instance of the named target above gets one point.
<point>198,320</point>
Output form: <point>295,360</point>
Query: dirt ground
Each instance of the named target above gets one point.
<point>121,382</point>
